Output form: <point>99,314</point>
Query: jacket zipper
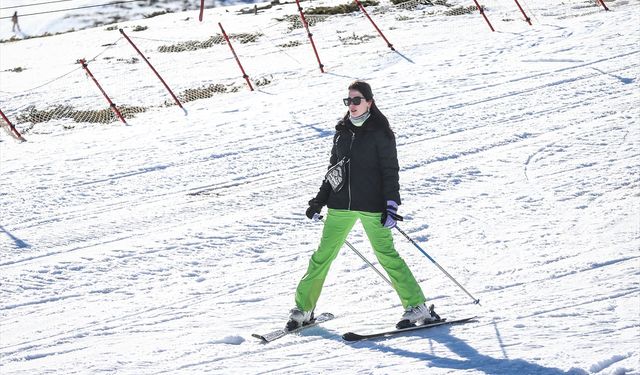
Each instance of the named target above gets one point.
<point>353,137</point>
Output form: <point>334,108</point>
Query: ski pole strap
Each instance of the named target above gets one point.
<point>394,216</point>
<point>475,300</point>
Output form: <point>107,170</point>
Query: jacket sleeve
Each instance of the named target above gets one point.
<point>388,157</point>
<point>325,189</point>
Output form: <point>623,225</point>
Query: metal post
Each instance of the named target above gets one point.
<point>113,107</point>
<point>374,25</point>
<point>604,5</point>
<point>306,26</point>
<point>154,71</point>
<point>244,75</point>
<point>526,18</point>
<point>12,129</point>
<point>483,15</point>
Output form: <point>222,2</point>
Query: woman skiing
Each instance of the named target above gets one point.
<point>362,183</point>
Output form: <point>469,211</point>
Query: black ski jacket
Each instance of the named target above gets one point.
<point>372,172</point>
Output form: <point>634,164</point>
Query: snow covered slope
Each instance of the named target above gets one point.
<point>159,247</point>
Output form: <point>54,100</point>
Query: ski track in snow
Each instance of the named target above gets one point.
<point>151,250</point>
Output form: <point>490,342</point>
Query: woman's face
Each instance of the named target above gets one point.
<point>358,109</point>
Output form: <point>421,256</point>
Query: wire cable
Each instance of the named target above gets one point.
<point>31,5</point>
<point>84,7</point>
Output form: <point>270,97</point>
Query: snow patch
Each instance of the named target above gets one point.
<point>608,362</point>
<point>230,340</point>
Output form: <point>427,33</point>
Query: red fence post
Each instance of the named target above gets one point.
<point>483,15</point>
<point>111,104</point>
<point>306,26</point>
<point>526,18</point>
<point>12,129</point>
<point>374,25</point>
<point>244,75</point>
<point>154,71</point>
<point>201,10</point>
<point>603,4</point>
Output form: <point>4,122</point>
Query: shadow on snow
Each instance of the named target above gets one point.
<point>471,359</point>
<point>20,244</point>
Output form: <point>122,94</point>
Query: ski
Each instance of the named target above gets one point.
<point>279,333</point>
<point>350,336</point>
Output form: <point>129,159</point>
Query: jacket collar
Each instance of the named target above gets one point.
<point>345,124</point>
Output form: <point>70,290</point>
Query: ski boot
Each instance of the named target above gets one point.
<point>299,318</point>
<point>418,315</point>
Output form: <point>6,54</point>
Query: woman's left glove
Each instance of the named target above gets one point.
<point>390,216</point>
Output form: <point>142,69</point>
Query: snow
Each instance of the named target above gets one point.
<point>161,246</point>
<point>608,362</point>
<point>231,340</point>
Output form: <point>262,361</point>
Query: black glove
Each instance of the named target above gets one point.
<point>314,208</point>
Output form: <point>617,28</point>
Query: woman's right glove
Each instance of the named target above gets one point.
<point>313,212</point>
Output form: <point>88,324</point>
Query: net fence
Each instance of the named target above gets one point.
<point>62,101</point>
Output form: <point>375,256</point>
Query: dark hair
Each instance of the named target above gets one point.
<point>365,89</point>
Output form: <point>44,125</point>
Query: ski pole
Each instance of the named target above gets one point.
<point>475,300</point>
<point>362,257</point>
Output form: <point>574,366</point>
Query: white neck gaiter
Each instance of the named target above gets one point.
<point>358,121</point>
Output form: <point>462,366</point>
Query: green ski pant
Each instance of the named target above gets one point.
<point>337,226</point>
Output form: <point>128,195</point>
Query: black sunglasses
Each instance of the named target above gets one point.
<point>355,100</point>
